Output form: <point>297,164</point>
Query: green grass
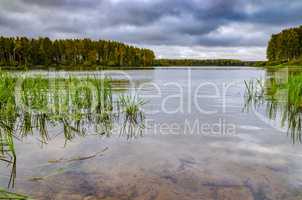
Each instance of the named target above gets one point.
<point>133,115</point>
<point>33,105</point>
<point>5,195</point>
<point>43,102</point>
<point>284,98</point>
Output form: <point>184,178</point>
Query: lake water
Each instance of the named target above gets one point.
<point>199,143</point>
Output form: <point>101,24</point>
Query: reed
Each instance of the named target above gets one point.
<point>133,116</point>
<point>280,99</point>
<point>33,105</point>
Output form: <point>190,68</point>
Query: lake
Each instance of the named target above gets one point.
<point>202,138</point>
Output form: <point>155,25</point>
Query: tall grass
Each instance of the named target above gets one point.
<point>133,115</point>
<point>283,102</point>
<point>33,105</point>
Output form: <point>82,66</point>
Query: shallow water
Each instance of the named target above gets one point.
<point>198,144</point>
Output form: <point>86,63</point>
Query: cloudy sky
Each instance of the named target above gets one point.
<point>172,28</point>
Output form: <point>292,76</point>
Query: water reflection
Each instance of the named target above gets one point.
<point>256,163</point>
<point>280,95</point>
<point>76,106</point>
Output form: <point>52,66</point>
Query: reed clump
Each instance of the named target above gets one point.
<point>282,99</point>
<point>33,105</point>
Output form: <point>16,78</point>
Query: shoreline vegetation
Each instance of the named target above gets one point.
<point>22,53</point>
<point>206,62</point>
<point>285,48</point>
<point>27,53</point>
<point>162,63</point>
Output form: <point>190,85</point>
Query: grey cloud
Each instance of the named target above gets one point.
<point>80,4</point>
<point>272,12</point>
<point>208,23</point>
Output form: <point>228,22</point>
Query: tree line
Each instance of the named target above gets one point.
<point>196,62</point>
<point>23,51</point>
<point>285,46</point>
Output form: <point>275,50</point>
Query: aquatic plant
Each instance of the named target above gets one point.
<point>254,93</point>
<point>8,154</point>
<point>282,100</point>
<point>10,195</point>
<point>133,115</point>
<point>32,105</point>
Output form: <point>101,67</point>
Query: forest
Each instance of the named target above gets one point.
<point>285,46</point>
<point>29,52</point>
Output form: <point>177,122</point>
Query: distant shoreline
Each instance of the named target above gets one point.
<point>214,64</point>
<point>98,68</point>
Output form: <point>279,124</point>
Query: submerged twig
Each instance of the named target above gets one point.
<point>80,158</point>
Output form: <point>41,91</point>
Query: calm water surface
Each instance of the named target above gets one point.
<point>199,143</point>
